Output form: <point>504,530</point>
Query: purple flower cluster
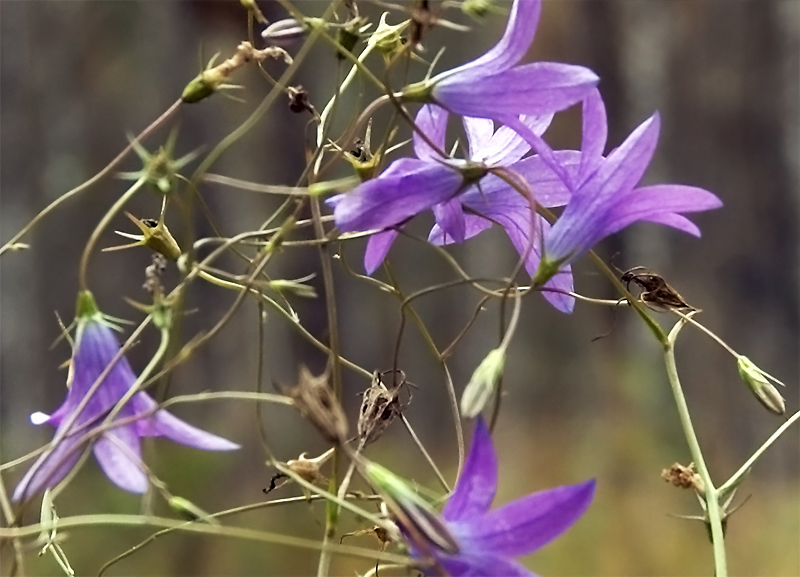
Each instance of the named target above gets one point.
<point>117,449</point>
<point>598,192</point>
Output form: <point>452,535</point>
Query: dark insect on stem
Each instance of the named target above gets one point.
<point>275,478</point>
<point>656,293</point>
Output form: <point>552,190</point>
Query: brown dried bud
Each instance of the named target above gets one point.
<point>314,399</point>
<point>298,100</point>
<point>684,477</point>
<point>379,408</point>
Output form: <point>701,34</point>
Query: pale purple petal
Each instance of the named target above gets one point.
<point>120,456</point>
<point>431,120</point>
<point>506,146</point>
<point>479,133</point>
<point>413,186</point>
<point>481,564</point>
<point>595,135</point>
<point>378,247</point>
<point>519,33</point>
<point>535,89</point>
<point>165,424</point>
<point>527,524</point>
<point>450,218</point>
<point>547,187</point>
<point>477,483</point>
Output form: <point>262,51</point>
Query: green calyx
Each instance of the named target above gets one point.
<point>418,92</point>
<point>86,307</point>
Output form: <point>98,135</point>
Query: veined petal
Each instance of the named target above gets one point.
<point>165,424</point>
<point>450,217</point>
<point>536,89</point>
<point>479,132</point>
<point>480,564</point>
<point>676,221</point>
<point>527,524</point>
<point>378,247</point>
<point>506,146</point>
<point>120,456</point>
<point>431,120</point>
<point>517,38</point>
<point>477,484</point>
<point>389,200</point>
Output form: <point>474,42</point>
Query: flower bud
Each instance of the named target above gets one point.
<point>189,510</point>
<point>763,390</point>
<point>482,384</point>
<point>418,519</point>
<point>284,33</point>
<point>479,9</point>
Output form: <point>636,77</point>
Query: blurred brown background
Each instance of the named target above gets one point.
<point>77,76</point>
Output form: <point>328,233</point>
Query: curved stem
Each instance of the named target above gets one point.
<point>83,268</point>
<point>11,244</point>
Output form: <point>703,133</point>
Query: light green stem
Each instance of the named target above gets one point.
<point>711,496</point>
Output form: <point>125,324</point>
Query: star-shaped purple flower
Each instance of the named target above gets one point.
<point>492,86</point>
<point>450,187</point>
<point>118,449</point>
<point>605,199</point>
<point>468,539</point>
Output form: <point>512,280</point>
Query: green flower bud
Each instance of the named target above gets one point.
<point>482,384</point>
<point>479,9</point>
<point>417,515</point>
<point>189,510</point>
<point>763,390</point>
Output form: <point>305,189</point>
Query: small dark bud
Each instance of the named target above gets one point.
<point>298,100</point>
<point>314,399</point>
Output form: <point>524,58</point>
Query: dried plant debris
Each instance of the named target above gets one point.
<point>315,400</point>
<point>379,407</point>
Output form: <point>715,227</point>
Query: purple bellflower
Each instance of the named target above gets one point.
<point>117,449</point>
<point>492,86</point>
<point>605,198</point>
<point>468,539</point>
<point>450,187</point>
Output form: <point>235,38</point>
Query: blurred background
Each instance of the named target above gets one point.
<point>78,76</point>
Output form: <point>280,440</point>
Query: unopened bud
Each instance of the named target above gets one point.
<point>416,516</point>
<point>387,38</point>
<point>482,384</point>
<point>284,33</point>
<point>479,9</point>
<point>189,510</point>
<point>764,391</point>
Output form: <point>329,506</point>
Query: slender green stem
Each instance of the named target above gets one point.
<point>83,268</point>
<point>737,477</point>
<point>711,495</point>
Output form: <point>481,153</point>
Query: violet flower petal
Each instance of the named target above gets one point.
<point>517,38</point>
<point>119,454</point>
<point>527,524</point>
<point>413,186</point>
<point>49,469</point>
<point>582,221</point>
<point>477,484</point>
<point>378,247</point>
<point>473,225</point>
<point>164,424</point>
<point>535,89</point>
<point>432,121</point>
<point>595,135</point>
<point>482,565</point>
<point>450,217</point>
